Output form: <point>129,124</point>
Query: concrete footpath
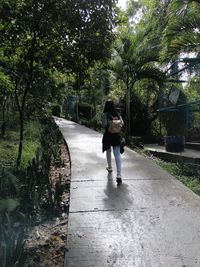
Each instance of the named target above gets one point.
<point>151,220</point>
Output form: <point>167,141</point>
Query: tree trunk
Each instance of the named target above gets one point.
<point>128,112</point>
<point>77,96</point>
<point>22,108</point>
<point>130,84</point>
<point>3,110</point>
<point>21,117</point>
<point>77,103</point>
<point>21,137</point>
<point>3,126</point>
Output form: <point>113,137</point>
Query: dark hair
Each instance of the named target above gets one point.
<point>110,108</point>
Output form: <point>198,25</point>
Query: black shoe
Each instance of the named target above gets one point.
<point>109,169</point>
<point>119,179</point>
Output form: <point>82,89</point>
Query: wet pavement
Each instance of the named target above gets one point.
<point>151,220</point>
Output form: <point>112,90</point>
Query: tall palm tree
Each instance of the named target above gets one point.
<point>134,59</point>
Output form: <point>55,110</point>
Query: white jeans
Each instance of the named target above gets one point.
<point>117,155</point>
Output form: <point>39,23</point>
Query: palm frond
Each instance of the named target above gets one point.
<point>181,35</point>
<point>184,43</point>
<point>188,24</point>
<point>9,179</point>
<point>178,7</point>
<point>181,7</point>
<point>146,55</point>
<point>149,72</point>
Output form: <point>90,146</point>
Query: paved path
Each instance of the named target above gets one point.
<point>151,220</point>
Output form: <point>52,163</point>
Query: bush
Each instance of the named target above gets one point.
<point>56,110</point>
<point>85,110</point>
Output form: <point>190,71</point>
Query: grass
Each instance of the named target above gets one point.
<point>9,144</point>
<point>192,183</point>
<point>8,148</point>
<point>31,142</point>
<point>16,195</point>
<point>188,174</point>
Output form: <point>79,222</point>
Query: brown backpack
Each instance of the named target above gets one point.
<point>115,125</point>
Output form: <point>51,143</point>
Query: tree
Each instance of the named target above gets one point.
<point>98,85</point>
<point>182,31</point>
<point>6,89</point>
<point>57,34</point>
<point>134,60</point>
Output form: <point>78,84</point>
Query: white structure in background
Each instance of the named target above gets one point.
<point>122,3</point>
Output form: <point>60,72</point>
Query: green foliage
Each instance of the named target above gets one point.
<point>133,7</point>
<point>27,190</point>
<point>43,33</point>
<point>188,174</point>
<point>8,153</point>
<point>85,110</point>
<point>28,152</point>
<point>9,145</point>
<point>141,117</point>
<point>182,30</point>
<point>8,204</point>
<point>41,193</point>
<point>192,182</point>
<point>6,89</point>
<point>50,138</point>
<point>49,91</point>
<point>6,85</point>
<point>192,90</point>
<point>11,242</point>
<point>32,130</point>
<point>11,238</point>
<point>135,59</point>
<point>9,184</point>
<point>39,38</point>
<point>162,32</point>
<point>12,123</point>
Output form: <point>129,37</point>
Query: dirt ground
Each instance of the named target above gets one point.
<point>46,242</point>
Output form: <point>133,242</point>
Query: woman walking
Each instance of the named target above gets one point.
<point>112,138</point>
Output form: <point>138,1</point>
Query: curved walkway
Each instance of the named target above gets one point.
<point>151,220</point>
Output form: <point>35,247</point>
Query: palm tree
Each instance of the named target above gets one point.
<point>133,60</point>
<point>182,34</point>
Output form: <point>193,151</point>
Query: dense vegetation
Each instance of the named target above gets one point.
<point>65,58</point>
<point>150,58</point>
<point>46,46</point>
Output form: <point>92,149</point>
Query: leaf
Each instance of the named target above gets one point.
<point>10,179</point>
<point>9,204</point>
